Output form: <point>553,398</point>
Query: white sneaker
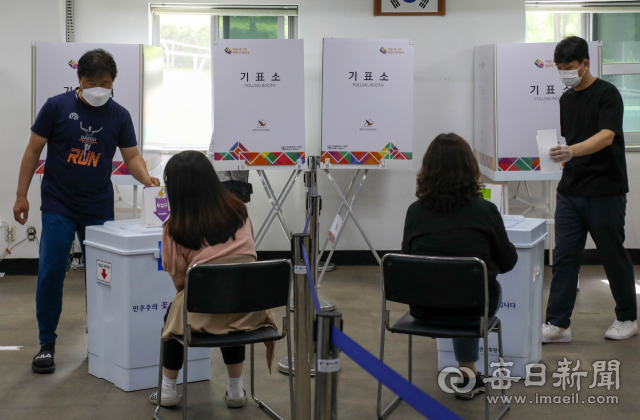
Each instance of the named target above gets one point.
<point>621,330</point>
<point>236,403</point>
<point>169,399</point>
<point>553,334</point>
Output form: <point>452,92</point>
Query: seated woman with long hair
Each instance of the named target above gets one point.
<point>451,219</point>
<point>207,225</point>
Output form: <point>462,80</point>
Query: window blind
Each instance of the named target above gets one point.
<point>224,10</point>
<point>585,6</point>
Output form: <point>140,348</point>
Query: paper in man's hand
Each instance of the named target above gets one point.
<point>546,140</point>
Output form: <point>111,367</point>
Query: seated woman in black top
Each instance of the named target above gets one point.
<point>450,219</point>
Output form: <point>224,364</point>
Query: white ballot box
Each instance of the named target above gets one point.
<point>521,308</point>
<point>127,296</point>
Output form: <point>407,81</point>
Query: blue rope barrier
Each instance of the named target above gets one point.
<point>416,398</point>
<point>314,293</point>
<point>306,224</point>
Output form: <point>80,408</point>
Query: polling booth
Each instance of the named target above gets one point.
<point>127,297</point>
<point>367,119</point>
<point>517,92</point>
<point>521,310</point>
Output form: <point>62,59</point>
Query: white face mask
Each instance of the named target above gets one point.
<point>96,96</point>
<point>571,77</point>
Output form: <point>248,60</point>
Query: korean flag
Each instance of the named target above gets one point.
<point>390,6</point>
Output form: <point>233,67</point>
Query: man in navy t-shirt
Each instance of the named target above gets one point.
<point>82,130</point>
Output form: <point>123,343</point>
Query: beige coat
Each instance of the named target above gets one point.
<point>176,260</point>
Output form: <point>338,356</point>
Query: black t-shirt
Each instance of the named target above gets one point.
<point>583,114</point>
<point>475,230</point>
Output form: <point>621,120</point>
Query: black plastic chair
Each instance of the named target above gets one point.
<point>438,283</point>
<point>229,289</point>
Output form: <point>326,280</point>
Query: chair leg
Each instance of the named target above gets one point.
<point>506,406</point>
<point>260,403</point>
<point>185,380</point>
<point>156,414</point>
<point>410,357</point>
<point>487,388</point>
<point>380,413</point>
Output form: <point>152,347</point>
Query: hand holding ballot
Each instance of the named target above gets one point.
<point>548,141</point>
<point>562,153</point>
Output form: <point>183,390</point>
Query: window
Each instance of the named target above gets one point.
<point>552,27</point>
<point>620,35</point>
<point>186,41</point>
<point>186,34</point>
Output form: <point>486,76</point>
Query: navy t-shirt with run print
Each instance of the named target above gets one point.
<point>82,140</point>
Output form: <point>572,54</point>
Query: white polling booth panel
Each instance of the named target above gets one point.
<point>137,88</point>
<point>127,297</point>
<point>521,309</point>
<point>367,103</point>
<point>259,103</point>
<point>517,91</point>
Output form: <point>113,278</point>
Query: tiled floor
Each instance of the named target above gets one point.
<point>71,393</point>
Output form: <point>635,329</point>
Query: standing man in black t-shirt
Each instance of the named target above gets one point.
<point>592,194</point>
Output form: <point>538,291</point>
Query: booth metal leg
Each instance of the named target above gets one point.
<point>276,204</point>
<point>135,202</point>
<point>350,214</point>
<point>351,185</point>
<point>505,196</point>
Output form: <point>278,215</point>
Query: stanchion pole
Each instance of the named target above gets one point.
<point>314,201</point>
<point>303,330</point>
<point>328,366</point>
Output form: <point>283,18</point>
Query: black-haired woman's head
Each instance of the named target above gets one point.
<point>449,177</point>
<point>203,212</point>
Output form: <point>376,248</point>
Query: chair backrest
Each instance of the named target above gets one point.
<point>435,282</point>
<point>238,288</point>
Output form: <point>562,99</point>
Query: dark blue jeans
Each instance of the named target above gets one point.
<point>58,233</point>
<point>602,217</point>
<point>466,349</point>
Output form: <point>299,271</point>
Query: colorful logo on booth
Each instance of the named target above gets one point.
<point>383,50</point>
<point>539,64</point>
<point>262,123</point>
<point>228,50</point>
<point>368,123</point>
<point>73,64</point>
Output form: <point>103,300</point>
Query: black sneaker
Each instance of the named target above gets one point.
<point>43,361</point>
<point>463,385</point>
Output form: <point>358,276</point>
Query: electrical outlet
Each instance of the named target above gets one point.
<point>31,233</point>
<point>10,234</point>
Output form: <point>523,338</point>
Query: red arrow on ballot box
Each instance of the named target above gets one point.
<point>104,273</point>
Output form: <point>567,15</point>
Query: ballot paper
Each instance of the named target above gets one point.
<point>493,193</point>
<point>155,206</point>
<point>546,140</point>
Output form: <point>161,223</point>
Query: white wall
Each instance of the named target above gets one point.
<point>21,22</point>
<point>443,69</point>
<point>442,99</point>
